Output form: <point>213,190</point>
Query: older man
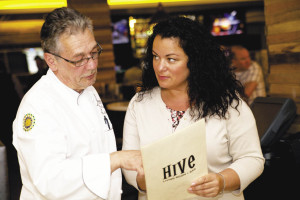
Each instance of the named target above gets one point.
<point>63,136</point>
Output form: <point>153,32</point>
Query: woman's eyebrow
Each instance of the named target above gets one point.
<point>172,54</point>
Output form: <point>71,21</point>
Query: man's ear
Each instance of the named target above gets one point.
<point>51,61</point>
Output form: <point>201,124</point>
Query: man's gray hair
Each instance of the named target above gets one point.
<point>62,21</point>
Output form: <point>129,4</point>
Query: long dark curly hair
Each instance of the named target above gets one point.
<point>212,86</point>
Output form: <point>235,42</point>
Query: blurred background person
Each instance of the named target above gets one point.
<point>42,65</point>
<point>248,72</point>
<point>132,78</point>
<point>133,75</point>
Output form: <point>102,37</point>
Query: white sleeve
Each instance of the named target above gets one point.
<point>244,146</point>
<point>46,165</point>
<point>130,140</point>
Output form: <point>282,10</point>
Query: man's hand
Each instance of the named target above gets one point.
<point>127,159</point>
<point>249,88</point>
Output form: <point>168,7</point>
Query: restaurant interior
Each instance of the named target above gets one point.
<point>268,28</point>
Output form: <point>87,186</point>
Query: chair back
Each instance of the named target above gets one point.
<point>274,115</point>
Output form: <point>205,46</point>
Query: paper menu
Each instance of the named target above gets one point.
<point>173,162</point>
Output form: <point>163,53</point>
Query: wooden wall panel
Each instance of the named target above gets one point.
<point>284,27</point>
<point>285,67</point>
<point>20,32</point>
<point>103,35</point>
<point>283,37</point>
<point>283,41</point>
<point>285,77</point>
<point>291,14</point>
<point>284,58</point>
<point>276,7</point>
<point>20,38</point>
<point>287,47</point>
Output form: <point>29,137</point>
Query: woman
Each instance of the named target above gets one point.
<point>186,77</point>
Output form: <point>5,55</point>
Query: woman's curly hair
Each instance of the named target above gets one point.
<point>212,86</point>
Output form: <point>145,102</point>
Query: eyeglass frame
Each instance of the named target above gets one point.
<point>81,60</point>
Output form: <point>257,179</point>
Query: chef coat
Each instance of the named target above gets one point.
<point>63,140</point>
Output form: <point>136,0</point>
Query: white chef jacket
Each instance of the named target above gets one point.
<point>63,140</point>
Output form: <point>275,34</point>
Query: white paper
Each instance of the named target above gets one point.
<point>172,163</point>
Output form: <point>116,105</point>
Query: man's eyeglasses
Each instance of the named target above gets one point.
<point>94,55</point>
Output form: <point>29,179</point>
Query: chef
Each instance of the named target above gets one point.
<point>64,138</point>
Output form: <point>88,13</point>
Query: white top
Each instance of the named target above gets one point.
<point>231,143</point>
<point>63,140</point>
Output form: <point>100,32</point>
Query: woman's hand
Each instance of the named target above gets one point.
<point>209,185</point>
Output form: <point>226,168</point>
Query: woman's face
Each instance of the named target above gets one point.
<point>170,63</point>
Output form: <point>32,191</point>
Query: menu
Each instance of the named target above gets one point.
<point>173,162</point>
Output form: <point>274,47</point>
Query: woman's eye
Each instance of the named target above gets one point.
<point>155,57</point>
<point>171,59</point>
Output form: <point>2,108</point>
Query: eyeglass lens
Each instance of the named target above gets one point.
<point>94,56</point>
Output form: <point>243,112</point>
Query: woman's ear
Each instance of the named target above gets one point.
<point>51,61</point>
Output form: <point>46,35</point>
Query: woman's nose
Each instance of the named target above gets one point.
<point>161,65</point>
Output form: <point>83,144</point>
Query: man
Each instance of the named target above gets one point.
<point>64,139</point>
<point>248,72</point>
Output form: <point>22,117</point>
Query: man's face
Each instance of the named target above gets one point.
<point>241,60</point>
<point>74,48</point>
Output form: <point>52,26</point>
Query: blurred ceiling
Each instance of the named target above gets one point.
<point>29,6</point>
<point>33,9</point>
<point>120,7</point>
<point>27,9</point>
<point>133,4</point>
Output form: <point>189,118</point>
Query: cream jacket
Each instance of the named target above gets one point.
<point>231,143</point>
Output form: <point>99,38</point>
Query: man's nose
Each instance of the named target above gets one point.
<point>92,64</point>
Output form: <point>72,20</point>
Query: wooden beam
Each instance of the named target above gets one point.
<point>283,38</point>
<point>291,58</point>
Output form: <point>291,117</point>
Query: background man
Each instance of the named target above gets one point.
<point>248,72</point>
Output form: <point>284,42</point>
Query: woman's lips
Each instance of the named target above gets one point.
<point>162,77</point>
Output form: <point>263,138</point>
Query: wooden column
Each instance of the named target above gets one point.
<point>98,11</point>
<point>283,40</point>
